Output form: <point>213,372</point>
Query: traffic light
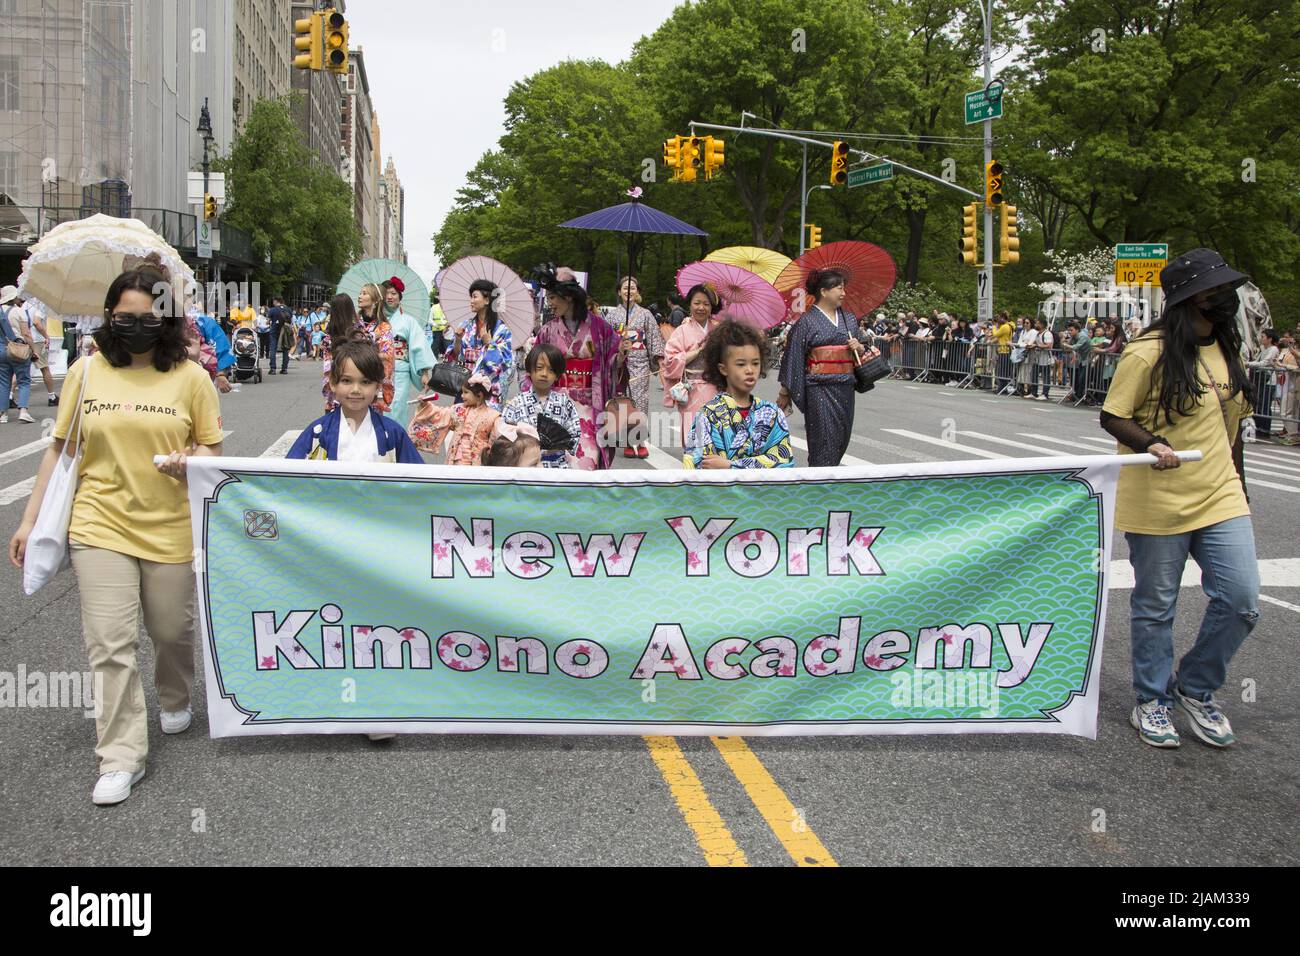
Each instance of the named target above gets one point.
<point>839,163</point>
<point>993,183</point>
<point>969,233</point>
<point>209,206</point>
<point>692,158</point>
<point>714,157</point>
<point>673,154</point>
<point>814,236</point>
<point>1008,252</point>
<point>334,33</point>
<point>307,40</point>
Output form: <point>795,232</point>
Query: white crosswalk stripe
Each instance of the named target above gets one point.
<point>802,445</point>
<point>968,449</point>
<point>281,445</point>
<point>22,451</point>
<point>18,492</point>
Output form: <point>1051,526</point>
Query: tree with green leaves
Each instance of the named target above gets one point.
<point>298,213</point>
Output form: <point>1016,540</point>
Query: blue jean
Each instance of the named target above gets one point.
<point>10,368</point>
<point>1229,577</point>
<point>274,344</point>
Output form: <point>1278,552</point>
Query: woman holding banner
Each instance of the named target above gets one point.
<point>1181,384</point>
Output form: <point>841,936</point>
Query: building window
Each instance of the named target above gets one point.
<point>9,177</point>
<point>9,66</point>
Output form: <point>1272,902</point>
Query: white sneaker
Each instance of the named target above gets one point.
<point>1208,722</point>
<point>1151,720</point>
<point>4,419</point>
<point>375,738</point>
<point>23,416</point>
<point>114,787</point>
<point>175,722</point>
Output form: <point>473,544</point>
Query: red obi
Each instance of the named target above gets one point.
<point>577,374</point>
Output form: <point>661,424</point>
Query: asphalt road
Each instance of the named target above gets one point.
<point>484,800</point>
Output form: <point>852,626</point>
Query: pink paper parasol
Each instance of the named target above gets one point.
<point>744,295</point>
<point>870,270</point>
<point>514,302</point>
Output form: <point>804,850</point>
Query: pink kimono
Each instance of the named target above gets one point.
<point>472,431</point>
<point>595,343</point>
<point>688,337</point>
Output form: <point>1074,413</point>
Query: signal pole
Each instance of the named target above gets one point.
<point>986,277</point>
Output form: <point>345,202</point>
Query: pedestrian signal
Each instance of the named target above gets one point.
<point>335,41</point>
<point>993,183</point>
<point>307,40</point>
<point>839,163</point>
<point>1009,251</point>
<point>814,236</point>
<point>969,233</point>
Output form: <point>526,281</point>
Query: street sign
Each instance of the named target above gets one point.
<point>1139,263</point>
<point>870,174</point>
<point>216,186</point>
<point>980,106</point>
<point>204,242</point>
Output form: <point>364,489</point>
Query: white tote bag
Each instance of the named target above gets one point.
<point>47,546</point>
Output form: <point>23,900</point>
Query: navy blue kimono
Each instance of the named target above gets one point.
<point>389,436</point>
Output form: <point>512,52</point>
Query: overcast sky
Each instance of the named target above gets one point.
<point>438,84</point>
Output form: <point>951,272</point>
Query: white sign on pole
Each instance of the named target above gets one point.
<point>204,242</point>
<point>216,186</point>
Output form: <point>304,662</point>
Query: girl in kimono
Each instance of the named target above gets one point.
<point>483,343</point>
<point>412,359</point>
<point>642,350</point>
<point>472,423</point>
<point>354,430</point>
<point>559,437</point>
<point>685,387</point>
<point>736,428</point>
<point>590,347</point>
<point>516,446</point>
<point>817,368</point>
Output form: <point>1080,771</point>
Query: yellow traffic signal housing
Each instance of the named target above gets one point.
<point>814,236</point>
<point>334,32</point>
<point>993,183</point>
<point>1009,251</point>
<point>209,206</point>
<point>714,156</point>
<point>839,163</point>
<point>969,234</point>
<point>673,154</point>
<point>307,40</point>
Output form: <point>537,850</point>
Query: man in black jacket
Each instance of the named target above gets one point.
<point>278,315</point>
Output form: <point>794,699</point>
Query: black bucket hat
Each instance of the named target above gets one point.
<point>1194,272</point>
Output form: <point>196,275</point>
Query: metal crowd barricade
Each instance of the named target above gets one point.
<point>1276,411</point>
<point>1097,376</point>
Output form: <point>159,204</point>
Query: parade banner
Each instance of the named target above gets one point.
<point>942,598</point>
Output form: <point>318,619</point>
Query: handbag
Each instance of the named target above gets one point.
<point>15,348</point>
<point>869,369</point>
<point>448,378</point>
<point>47,545</point>
<point>680,392</point>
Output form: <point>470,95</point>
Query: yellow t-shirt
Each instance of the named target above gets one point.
<point>244,316</point>
<point>1002,333</point>
<point>123,502</point>
<point>1199,493</point>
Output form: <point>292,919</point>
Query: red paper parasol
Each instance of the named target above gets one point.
<point>744,295</point>
<point>870,269</point>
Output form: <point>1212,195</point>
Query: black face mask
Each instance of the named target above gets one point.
<point>1221,307</point>
<point>139,340</point>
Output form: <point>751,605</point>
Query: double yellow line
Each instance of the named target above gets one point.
<point>710,830</point>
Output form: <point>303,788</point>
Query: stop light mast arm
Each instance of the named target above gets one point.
<point>861,153</point>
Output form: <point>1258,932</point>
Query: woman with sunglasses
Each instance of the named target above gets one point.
<point>129,535</point>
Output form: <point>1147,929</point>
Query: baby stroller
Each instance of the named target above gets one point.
<point>247,366</point>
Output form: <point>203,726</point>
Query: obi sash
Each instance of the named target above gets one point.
<point>830,360</point>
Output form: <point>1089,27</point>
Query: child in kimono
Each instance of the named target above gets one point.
<point>736,428</point>
<point>353,431</point>
<point>470,423</point>
<point>515,446</point>
<point>551,413</point>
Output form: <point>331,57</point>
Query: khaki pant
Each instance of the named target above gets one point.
<point>115,588</point>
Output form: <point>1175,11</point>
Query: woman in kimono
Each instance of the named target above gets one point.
<point>591,350</point>
<point>346,324</point>
<point>683,370</point>
<point>817,368</point>
<point>412,360</point>
<point>482,343</point>
<point>642,351</point>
